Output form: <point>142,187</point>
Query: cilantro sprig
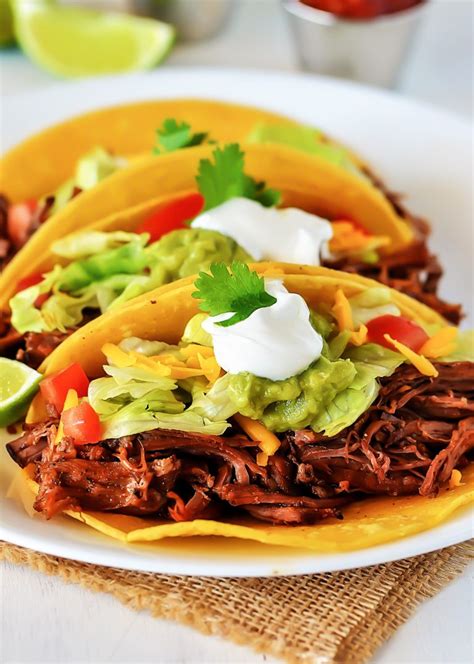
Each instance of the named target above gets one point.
<point>236,289</point>
<point>224,179</point>
<point>173,136</point>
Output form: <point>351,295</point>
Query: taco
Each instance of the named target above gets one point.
<point>42,174</point>
<point>297,406</point>
<point>54,161</point>
<point>233,215</point>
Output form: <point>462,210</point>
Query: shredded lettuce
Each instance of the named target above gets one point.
<point>65,310</point>
<point>145,346</point>
<point>194,332</point>
<point>215,404</point>
<point>305,139</point>
<point>129,258</point>
<point>25,316</point>
<point>371,303</point>
<point>91,243</point>
<point>108,269</point>
<point>131,400</point>
<point>371,362</point>
<point>338,345</point>
<point>93,167</point>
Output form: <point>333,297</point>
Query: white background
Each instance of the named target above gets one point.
<point>44,620</point>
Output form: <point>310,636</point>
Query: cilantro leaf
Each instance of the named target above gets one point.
<point>225,179</point>
<point>173,136</point>
<point>238,290</point>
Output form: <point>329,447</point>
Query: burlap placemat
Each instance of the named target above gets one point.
<point>323,618</point>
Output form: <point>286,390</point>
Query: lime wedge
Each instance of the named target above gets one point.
<point>18,385</point>
<point>70,41</point>
<point>6,24</point>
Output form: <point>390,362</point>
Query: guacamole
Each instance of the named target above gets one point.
<point>293,403</point>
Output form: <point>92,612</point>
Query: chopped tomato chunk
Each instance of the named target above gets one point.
<point>20,216</point>
<point>54,388</point>
<point>32,280</point>
<point>82,424</point>
<point>172,216</point>
<point>399,328</point>
<point>26,282</point>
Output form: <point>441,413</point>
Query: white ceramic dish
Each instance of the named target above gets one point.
<point>421,151</point>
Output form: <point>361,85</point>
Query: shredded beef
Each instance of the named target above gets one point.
<point>403,444</point>
<point>10,339</point>
<point>38,345</point>
<point>8,246</point>
<point>31,348</point>
<point>413,270</point>
<point>4,237</point>
<point>409,441</point>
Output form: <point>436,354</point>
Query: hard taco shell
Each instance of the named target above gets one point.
<point>128,196</point>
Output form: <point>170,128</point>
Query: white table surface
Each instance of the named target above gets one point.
<point>43,619</point>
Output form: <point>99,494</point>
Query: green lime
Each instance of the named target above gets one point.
<point>18,385</point>
<point>6,24</point>
<point>70,41</point>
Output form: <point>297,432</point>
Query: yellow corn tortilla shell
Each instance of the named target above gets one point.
<point>305,181</point>
<point>370,522</point>
<point>127,130</point>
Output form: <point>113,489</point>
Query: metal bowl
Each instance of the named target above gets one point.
<point>193,19</point>
<point>371,51</point>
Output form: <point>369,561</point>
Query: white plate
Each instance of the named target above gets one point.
<point>418,150</point>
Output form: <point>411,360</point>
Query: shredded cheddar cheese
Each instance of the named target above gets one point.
<point>441,343</point>
<point>193,350</point>
<point>188,362</point>
<point>423,365</point>
<point>123,359</point>
<point>343,313</point>
<point>348,239</point>
<point>455,479</point>
<point>267,441</point>
<point>70,401</point>
<point>360,337</point>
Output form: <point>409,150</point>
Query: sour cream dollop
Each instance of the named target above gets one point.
<point>275,342</point>
<point>289,235</point>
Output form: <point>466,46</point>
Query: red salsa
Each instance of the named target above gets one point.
<point>362,9</point>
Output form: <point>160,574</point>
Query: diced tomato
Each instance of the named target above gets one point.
<point>82,424</point>
<point>32,280</point>
<point>26,282</point>
<point>20,216</point>
<point>399,328</point>
<point>41,299</point>
<point>171,216</point>
<point>54,388</point>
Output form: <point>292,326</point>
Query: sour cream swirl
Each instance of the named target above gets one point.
<point>289,235</point>
<point>275,342</point>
